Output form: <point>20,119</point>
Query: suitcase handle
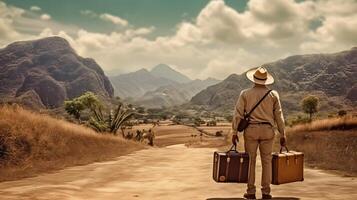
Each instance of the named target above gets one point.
<point>286,148</point>
<point>233,148</point>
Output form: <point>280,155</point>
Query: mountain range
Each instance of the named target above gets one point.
<point>162,86</point>
<point>42,73</point>
<point>332,77</point>
<point>135,84</point>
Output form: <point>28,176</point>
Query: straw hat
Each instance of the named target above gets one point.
<point>260,76</point>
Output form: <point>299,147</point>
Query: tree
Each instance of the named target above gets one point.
<point>74,107</point>
<point>310,105</point>
<point>86,101</point>
<point>91,102</point>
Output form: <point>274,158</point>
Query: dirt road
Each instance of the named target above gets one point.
<point>173,172</point>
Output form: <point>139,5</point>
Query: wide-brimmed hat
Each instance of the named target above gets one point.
<point>260,76</point>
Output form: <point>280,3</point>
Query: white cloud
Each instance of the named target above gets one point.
<point>6,31</point>
<point>89,13</point>
<point>218,42</point>
<point>35,8</point>
<point>8,14</point>
<point>45,17</point>
<point>113,19</point>
<point>105,17</point>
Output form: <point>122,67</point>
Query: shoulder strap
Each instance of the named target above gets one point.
<point>256,105</point>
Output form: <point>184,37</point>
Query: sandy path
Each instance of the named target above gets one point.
<point>174,172</point>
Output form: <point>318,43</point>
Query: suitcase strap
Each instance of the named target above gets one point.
<point>240,169</point>
<point>227,168</point>
<point>241,160</point>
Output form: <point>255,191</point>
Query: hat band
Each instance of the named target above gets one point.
<point>261,79</point>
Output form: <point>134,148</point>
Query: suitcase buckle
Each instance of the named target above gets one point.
<point>241,160</point>
<point>228,159</point>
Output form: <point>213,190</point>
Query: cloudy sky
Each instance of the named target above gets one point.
<point>200,38</point>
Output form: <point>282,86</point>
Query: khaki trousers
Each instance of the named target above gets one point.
<point>262,136</point>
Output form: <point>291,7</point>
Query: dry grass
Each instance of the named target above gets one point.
<point>327,144</point>
<point>341,123</point>
<point>332,150</point>
<point>31,143</point>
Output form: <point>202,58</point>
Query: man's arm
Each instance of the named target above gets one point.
<point>278,115</point>
<point>238,112</point>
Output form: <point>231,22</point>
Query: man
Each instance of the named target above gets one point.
<point>260,132</point>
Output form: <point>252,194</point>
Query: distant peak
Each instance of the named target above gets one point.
<point>142,70</point>
<point>165,71</point>
<point>162,67</point>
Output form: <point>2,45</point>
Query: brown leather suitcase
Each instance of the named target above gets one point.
<point>287,167</point>
<point>231,166</point>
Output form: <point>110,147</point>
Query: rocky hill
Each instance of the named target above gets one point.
<point>330,76</point>
<point>45,72</point>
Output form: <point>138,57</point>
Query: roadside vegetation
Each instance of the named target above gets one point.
<point>329,124</point>
<point>329,143</point>
<point>31,143</point>
<point>100,118</point>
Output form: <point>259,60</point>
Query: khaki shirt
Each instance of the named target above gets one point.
<point>269,110</point>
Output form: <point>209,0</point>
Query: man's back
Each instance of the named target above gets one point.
<point>264,112</point>
<point>269,110</point>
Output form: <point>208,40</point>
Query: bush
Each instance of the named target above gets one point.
<point>342,113</point>
<point>219,133</point>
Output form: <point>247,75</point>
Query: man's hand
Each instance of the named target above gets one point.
<point>283,141</point>
<point>235,139</point>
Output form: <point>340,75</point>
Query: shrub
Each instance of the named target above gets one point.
<point>342,113</point>
<point>219,133</point>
